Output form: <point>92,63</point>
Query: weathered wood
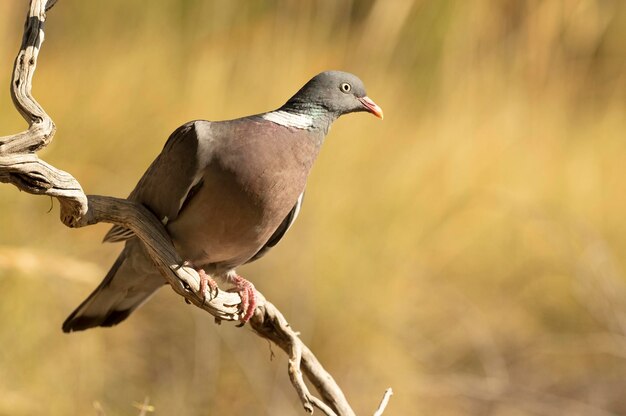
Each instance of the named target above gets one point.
<point>20,166</point>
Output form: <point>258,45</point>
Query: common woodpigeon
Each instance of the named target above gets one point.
<point>227,192</point>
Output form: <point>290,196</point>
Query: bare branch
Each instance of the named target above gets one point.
<point>20,166</point>
<point>384,402</point>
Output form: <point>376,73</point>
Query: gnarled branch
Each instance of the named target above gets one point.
<point>20,166</point>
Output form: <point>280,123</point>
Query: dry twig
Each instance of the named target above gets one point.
<point>20,166</point>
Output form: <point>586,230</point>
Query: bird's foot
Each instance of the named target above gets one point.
<point>207,281</point>
<point>247,293</point>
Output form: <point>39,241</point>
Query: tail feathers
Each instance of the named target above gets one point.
<point>81,322</point>
<point>120,293</point>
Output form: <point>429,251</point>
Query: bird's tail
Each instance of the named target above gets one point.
<point>120,293</point>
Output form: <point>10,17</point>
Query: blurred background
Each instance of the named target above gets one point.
<point>467,251</point>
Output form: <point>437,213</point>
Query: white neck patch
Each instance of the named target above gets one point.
<point>287,119</point>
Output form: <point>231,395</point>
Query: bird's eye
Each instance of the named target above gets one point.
<point>345,87</point>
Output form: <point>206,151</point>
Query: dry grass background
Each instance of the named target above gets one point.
<point>467,251</point>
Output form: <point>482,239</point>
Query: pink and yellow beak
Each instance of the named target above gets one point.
<point>372,107</point>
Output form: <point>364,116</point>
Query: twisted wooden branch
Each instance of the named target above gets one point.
<point>20,166</point>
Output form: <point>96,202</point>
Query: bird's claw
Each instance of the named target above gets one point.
<point>207,281</point>
<point>247,293</point>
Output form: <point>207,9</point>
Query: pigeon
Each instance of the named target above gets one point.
<point>227,192</point>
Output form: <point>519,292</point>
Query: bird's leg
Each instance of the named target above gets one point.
<point>206,280</point>
<point>246,292</point>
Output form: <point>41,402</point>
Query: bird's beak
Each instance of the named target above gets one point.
<point>371,106</point>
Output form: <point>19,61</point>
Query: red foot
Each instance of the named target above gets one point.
<point>246,291</point>
<point>206,280</point>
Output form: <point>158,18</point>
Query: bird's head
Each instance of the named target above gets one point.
<point>337,92</point>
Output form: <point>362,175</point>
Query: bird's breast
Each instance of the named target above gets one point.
<point>241,202</point>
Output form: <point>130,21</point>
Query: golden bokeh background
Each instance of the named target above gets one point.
<point>467,251</point>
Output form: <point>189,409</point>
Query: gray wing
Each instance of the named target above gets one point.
<point>281,230</point>
<point>173,176</point>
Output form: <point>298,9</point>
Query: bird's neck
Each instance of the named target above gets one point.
<point>303,116</point>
